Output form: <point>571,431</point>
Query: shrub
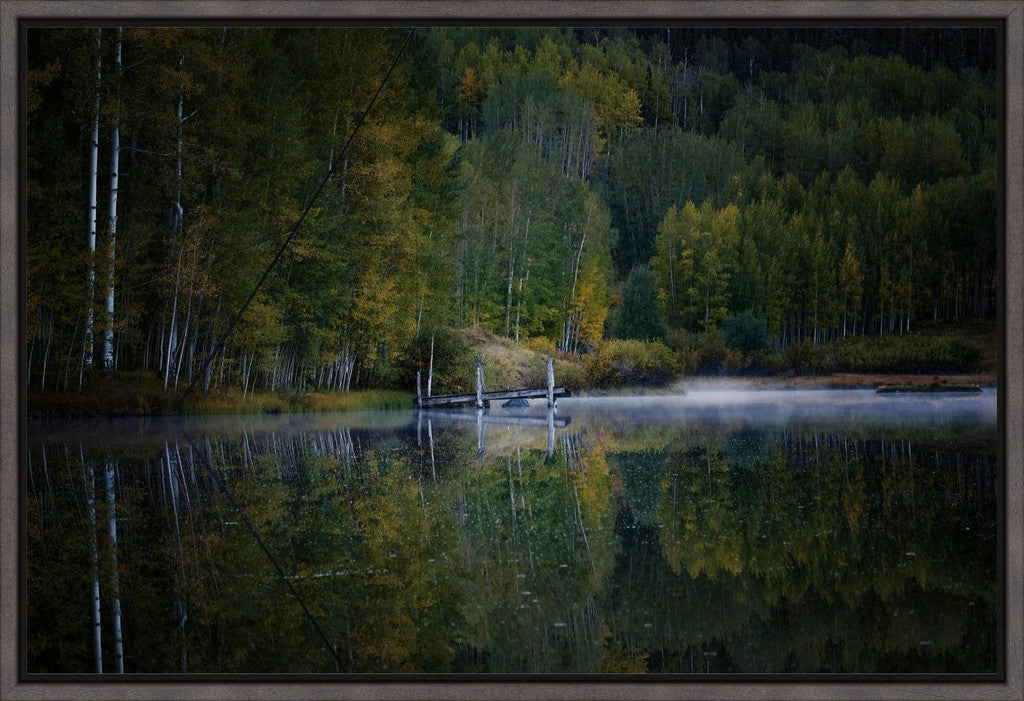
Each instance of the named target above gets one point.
<point>702,353</point>
<point>631,362</point>
<point>571,375</point>
<point>453,360</point>
<point>541,344</point>
<point>762,363</point>
<point>912,353</point>
<point>746,333</point>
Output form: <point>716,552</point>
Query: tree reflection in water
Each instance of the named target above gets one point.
<point>689,546</point>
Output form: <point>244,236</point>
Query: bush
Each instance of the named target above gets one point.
<point>542,345</point>
<point>618,363</point>
<point>125,393</point>
<point>571,375</point>
<point>762,363</point>
<point>453,359</point>
<point>746,333</point>
<point>698,354</point>
<point>911,353</point>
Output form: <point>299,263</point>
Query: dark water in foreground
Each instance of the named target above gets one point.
<point>824,531</point>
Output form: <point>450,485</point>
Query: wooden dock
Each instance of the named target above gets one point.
<point>487,397</point>
<point>482,398</point>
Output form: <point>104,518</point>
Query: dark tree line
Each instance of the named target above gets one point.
<point>830,182</point>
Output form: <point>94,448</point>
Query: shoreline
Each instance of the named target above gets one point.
<point>362,400</point>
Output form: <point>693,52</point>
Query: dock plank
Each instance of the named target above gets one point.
<point>457,399</point>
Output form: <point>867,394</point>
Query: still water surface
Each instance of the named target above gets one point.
<point>719,531</point>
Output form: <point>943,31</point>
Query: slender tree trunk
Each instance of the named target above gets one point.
<point>508,293</point>
<point>90,501</point>
<point>112,530</point>
<point>208,376</point>
<point>31,353</point>
<point>519,305</point>
<point>46,356</point>
<point>115,149</point>
<point>430,371</point>
<point>172,337</point>
<point>184,340</point>
<point>87,360</point>
<point>334,133</point>
<point>176,226</point>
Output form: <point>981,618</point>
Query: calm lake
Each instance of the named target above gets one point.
<point>716,531</point>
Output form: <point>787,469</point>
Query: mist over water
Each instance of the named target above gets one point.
<point>780,406</point>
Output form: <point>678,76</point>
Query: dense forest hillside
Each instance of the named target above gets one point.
<point>766,189</point>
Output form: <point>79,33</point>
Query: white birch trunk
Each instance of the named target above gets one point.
<point>115,148</point>
<point>430,371</point>
<point>184,339</point>
<point>176,225</point>
<point>112,530</point>
<point>90,499</point>
<point>574,265</point>
<point>508,293</point>
<point>519,307</point>
<point>46,356</point>
<point>172,338</point>
<point>334,134</point>
<point>87,360</point>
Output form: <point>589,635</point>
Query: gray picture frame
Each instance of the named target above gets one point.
<point>15,13</point>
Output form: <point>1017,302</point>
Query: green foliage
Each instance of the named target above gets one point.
<point>630,363</point>
<point>745,333</point>
<point>532,254</point>
<point>700,353</point>
<point>914,353</point>
<point>639,316</point>
<point>504,180</point>
<point>418,553</point>
<point>134,393</point>
<point>652,170</point>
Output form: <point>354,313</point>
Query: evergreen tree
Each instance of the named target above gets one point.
<point>639,316</point>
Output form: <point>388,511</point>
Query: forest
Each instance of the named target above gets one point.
<point>705,200</point>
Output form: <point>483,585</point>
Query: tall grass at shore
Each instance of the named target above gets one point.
<point>142,394</point>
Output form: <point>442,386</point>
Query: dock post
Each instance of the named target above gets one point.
<point>479,384</point>
<point>551,382</point>
<point>419,396</point>
<point>430,370</point>
<point>480,432</point>
<point>430,440</point>
<point>551,432</point>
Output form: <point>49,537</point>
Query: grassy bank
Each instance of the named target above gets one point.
<point>614,363</point>
<point>931,356</point>
<point>142,394</point>
<point>231,402</point>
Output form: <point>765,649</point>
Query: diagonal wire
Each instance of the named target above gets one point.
<point>204,460</point>
<point>293,229</point>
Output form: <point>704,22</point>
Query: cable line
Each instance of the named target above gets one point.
<point>205,461</point>
<point>292,230</point>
